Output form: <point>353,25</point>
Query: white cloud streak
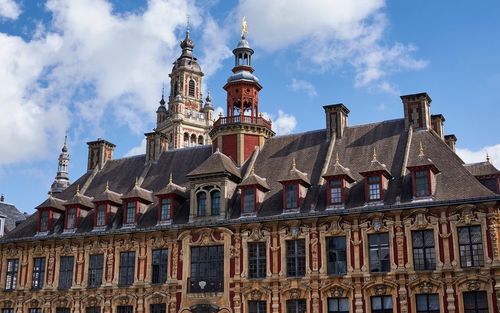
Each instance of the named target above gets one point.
<point>298,85</point>
<point>283,124</point>
<point>473,156</point>
<point>9,9</point>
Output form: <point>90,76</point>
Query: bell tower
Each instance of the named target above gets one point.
<point>185,121</point>
<point>237,134</point>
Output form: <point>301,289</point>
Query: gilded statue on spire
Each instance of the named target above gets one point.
<point>244,29</point>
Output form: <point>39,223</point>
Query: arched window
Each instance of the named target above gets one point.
<point>215,203</point>
<point>186,138</point>
<point>191,88</point>
<point>202,203</point>
<point>200,140</point>
<point>193,139</point>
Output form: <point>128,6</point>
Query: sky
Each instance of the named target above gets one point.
<point>95,68</point>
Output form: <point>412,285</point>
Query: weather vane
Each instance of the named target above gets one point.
<point>244,29</point>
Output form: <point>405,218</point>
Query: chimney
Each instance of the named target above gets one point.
<point>417,110</point>
<point>100,151</point>
<point>437,122</point>
<point>451,141</point>
<point>156,143</point>
<point>336,120</point>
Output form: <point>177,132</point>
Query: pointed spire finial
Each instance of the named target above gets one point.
<point>252,171</point>
<point>421,153</point>
<point>487,157</point>
<point>374,155</point>
<point>170,179</point>
<point>294,165</point>
<point>107,186</point>
<point>78,189</point>
<point>244,27</point>
<point>337,159</point>
<point>188,24</point>
<point>136,181</point>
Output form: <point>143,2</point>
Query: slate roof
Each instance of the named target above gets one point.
<point>12,215</point>
<point>396,147</point>
<point>482,169</point>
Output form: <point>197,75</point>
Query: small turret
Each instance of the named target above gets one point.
<point>161,112</point>
<point>61,181</point>
<point>208,109</point>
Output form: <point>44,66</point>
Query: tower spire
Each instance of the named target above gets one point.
<point>61,180</point>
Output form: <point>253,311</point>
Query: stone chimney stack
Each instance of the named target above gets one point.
<point>336,120</point>
<point>417,110</point>
<point>156,143</point>
<point>451,141</point>
<point>437,122</point>
<point>100,151</point>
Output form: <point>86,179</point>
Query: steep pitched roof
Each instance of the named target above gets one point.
<point>254,180</point>
<point>482,169</point>
<point>52,202</point>
<point>217,163</point>
<point>80,199</point>
<point>12,215</point>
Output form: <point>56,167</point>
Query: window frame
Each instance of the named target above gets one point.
<point>215,206</point>
<point>38,273</point>
<point>257,306</point>
<point>257,260</point>
<point>295,202</point>
<point>126,212</point>
<point>245,201</point>
<point>417,182</point>
<point>159,266</point>
<point>340,185</point>
<point>475,294</point>
<point>98,211</point>
<point>385,264</point>
<point>41,213</point>
<point>298,305</point>
<point>93,309</point>
<point>328,244</point>
<point>124,309</point>
<point>383,309</point>
<point>126,273</point>
<point>192,88</point>
<point>66,269</point>
<point>157,308</point>
<point>165,202</point>
<point>95,271</point>
<point>296,258</point>
<point>427,298</point>
<point>207,264</point>
<point>11,275</point>
<point>339,299</point>
<point>478,252</point>
<point>427,250</point>
<point>379,190</point>
<point>201,205</point>
<point>74,217</point>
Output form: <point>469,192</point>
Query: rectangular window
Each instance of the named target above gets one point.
<point>338,305</point>
<point>296,258</point>
<point>215,202</point>
<point>8,310</point>
<point>374,193</point>
<point>158,308</point>
<point>476,302</point>
<point>35,310</point>
<point>127,268</point>
<point>38,273</point>
<point>130,213</point>
<point>428,303</point>
<point>124,309</point>
<point>382,304</point>
<point>379,253</point>
<point>336,191</point>
<point>166,204</point>
<point>93,309</point>
<point>424,255</point>
<point>257,306</point>
<point>160,265</point>
<point>422,183</point>
<point>249,200</point>
<point>63,310</point>
<point>101,215</point>
<point>71,218</point>
<point>11,277</point>
<point>471,246</point>
<point>296,306</point>
<point>257,260</point>
<point>96,264</point>
<point>207,269</point>
<point>44,220</point>
<point>66,272</point>
<point>291,196</point>
<point>336,255</point>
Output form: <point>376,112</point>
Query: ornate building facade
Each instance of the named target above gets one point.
<point>374,218</point>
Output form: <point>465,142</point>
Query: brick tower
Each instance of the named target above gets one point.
<point>238,133</point>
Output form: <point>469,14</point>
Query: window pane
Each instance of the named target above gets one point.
<point>96,263</point>
<point>291,196</point>
<point>257,260</point>
<point>160,266</point>
<point>127,268</point>
<point>38,273</point>
<point>201,199</point>
<point>166,204</point>
<point>101,215</point>
<point>130,214</point>
<point>336,255</point>
<point>66,272</point>
<point>249,200</point>
<point>215,197</point>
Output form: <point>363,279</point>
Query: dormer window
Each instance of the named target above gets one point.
<point>338,177</point>
<point>291,196</point>
<point>422,186</point>
<point>249,200</point>
<point>71,217</point>
<point>129,216</point>
<point>165,208</point>
<point>44,220</point>
<point>374,188</point>
<point>336,186</point>
<point>201,200</point>
<point>215,202</point>
<point>100,215</point>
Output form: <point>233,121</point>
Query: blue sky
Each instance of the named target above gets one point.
<point>94,68</point>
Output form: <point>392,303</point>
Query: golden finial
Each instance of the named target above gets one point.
<point>107,186</point>
<point>293,164</point>
<point>374,155</point>
<point>252,171</point>
<point>170,179</point>
<point>136,181</point>
<point>487,157</point>
<point>244,29</point>
<point>78,189</point>
<point>337,159</point>
<point>421,153</point>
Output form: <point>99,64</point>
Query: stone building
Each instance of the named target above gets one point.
<point>383,217</point>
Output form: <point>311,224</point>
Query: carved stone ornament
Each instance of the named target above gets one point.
<point>157,298</point>
<point>474,285</point>
<point>62,302</point>
<point>257,232</point>
<point>256,295</point>
<point>11,251</point>
<point>295,293</point>
<point>123,300</point>
<point>8,303</point>
<point>67,249</point>
<point>380,290</point>
<point>425,287</point>
<point>34,303</point>
<point>92,301</point>
<point>337,292</point>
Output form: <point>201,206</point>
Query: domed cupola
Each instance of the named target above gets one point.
<point>244,128</point>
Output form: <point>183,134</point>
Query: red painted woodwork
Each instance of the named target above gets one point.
<point>250,141</point>
<point>77,215</point>
<point>230,146</point>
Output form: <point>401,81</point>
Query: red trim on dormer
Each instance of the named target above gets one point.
<point>414,171</point>
<point>342,189</point>
<point>299,198</point>
<point>171,209</point>
<point>136,201</point>
<point>106,212</point>
<point>77,215</point>
<point>380,186</point>
<point>49,219</point>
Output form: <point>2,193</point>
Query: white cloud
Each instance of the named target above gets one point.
<point>302,85</point>
<point>9,9</point>
<point>88,63</point>
<point>140,149</point>
<point>470,156</point>
<point>284,124</point>
<point>331,34</point>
